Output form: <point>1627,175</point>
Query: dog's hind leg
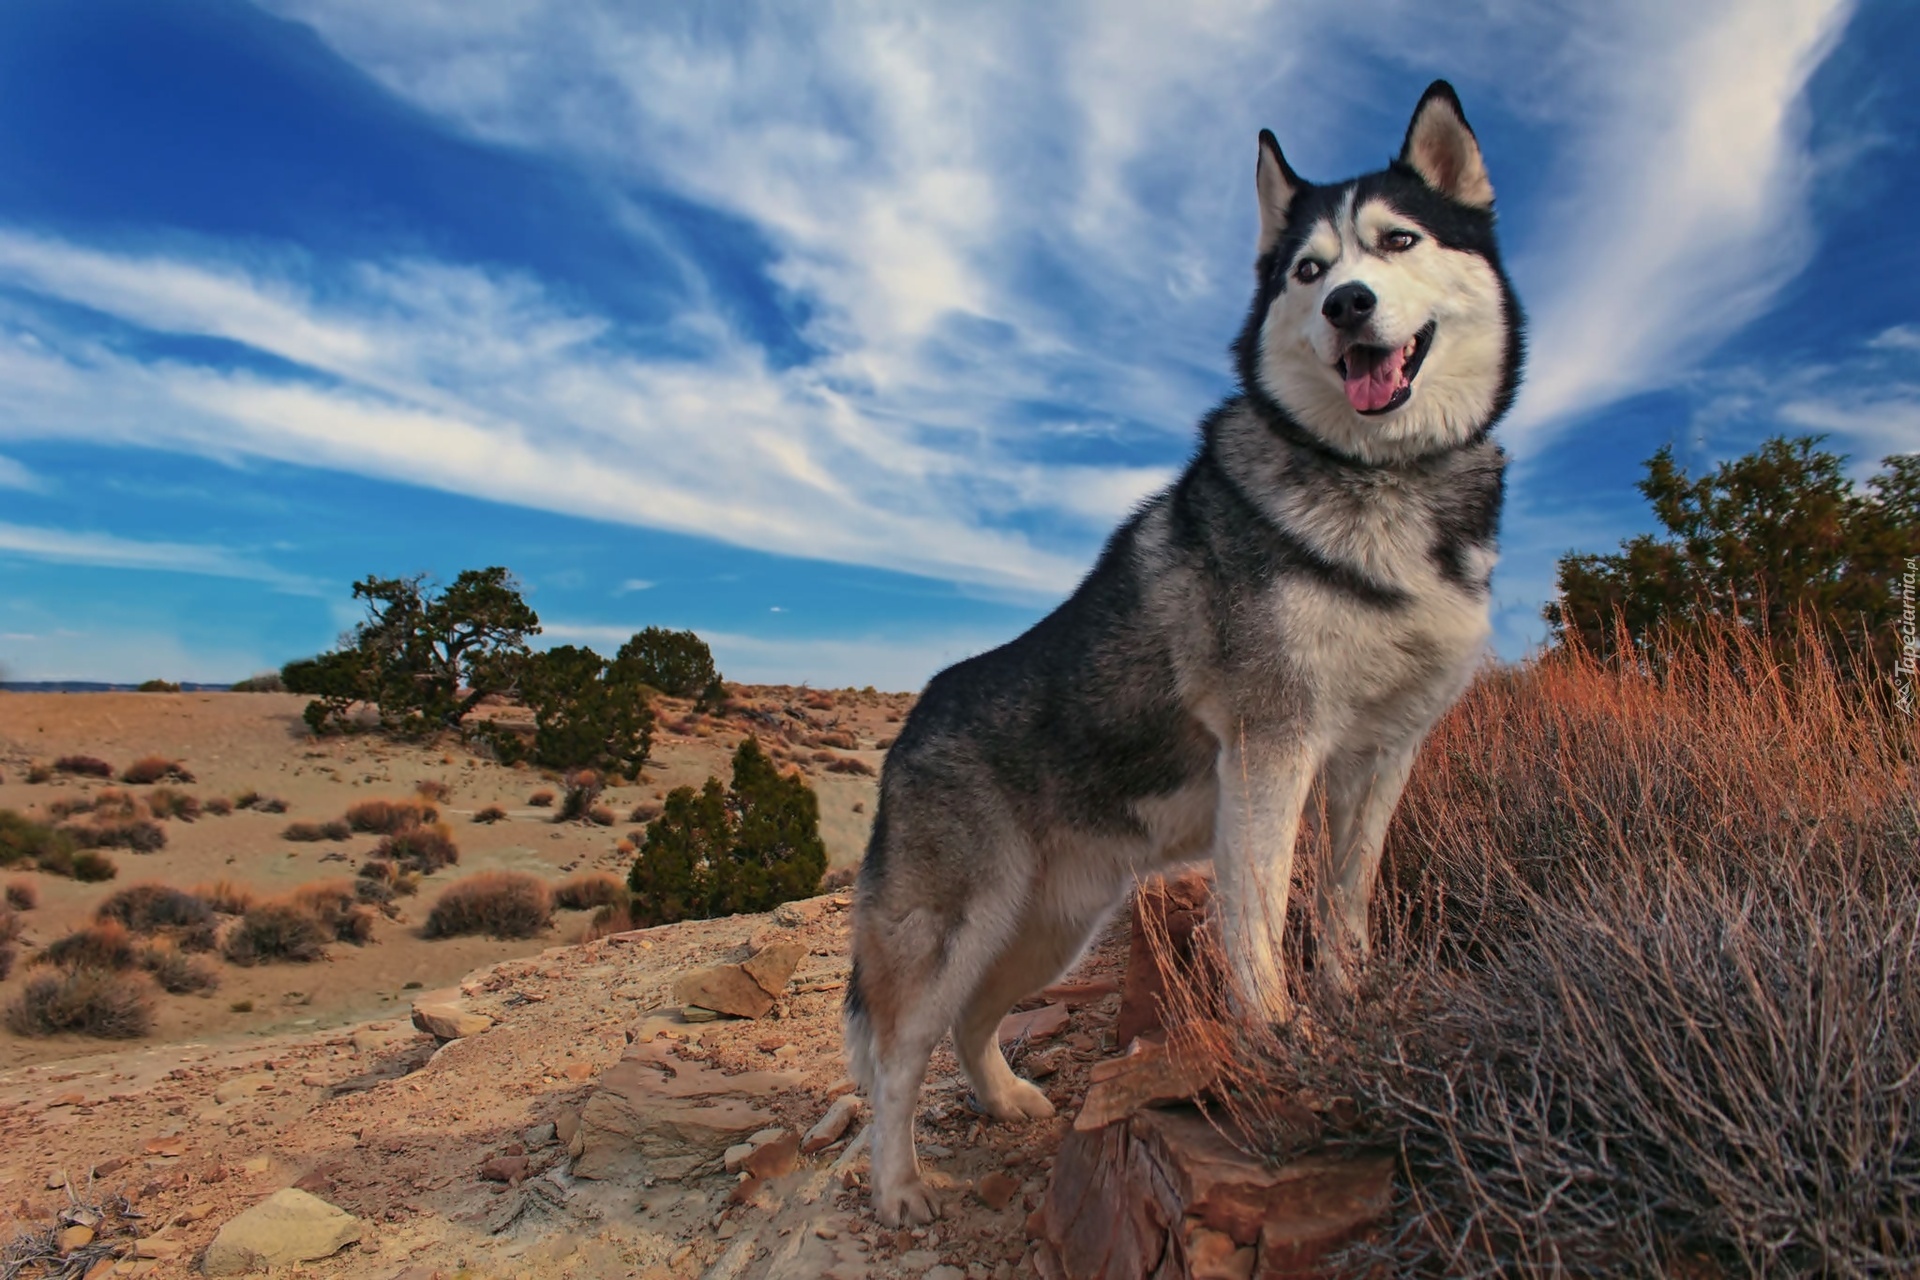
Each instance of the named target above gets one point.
<point>915,971</point>
<point>1040,951</point>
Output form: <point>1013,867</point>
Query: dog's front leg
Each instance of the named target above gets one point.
<point>1362,788</point>
<point>1263,789</point>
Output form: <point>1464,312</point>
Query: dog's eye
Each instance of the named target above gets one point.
<point>1308,271</point>
<point>1399,241</point>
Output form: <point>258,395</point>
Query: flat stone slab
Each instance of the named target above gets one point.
<point>655,1113</point>
<point>289,1226</point>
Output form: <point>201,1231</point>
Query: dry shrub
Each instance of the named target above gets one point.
<point>492,813</point>
<point>433,789</point>
<point>385,817</point>
<point>8,954</point>
<point>22,895</point>
<point>613,918</point>
<point>165,802</point>
<point>625,848</point>
<point>38,773</point>
<point>105,944</point>
<point>139,835</point>
<point>91,1002</point>
<point>177,973</point>
<point>583,791</point>
<point>83,766</point>
<point>589,889</point>
<point>839,878</point>
<point>505,904</point>
<point>10,926</point>
<point>601,816</point>
<point>541,799</point>
<point>68,806</point>
<point>421,849</point>
<point>1646,986</point>
<point>851,764</point>
<point>644,812</point>
<point>145,908</point>
<point>218,806</point>
<point>225,897</point>
<point>336,905</point>
<point>151,769</point>
<point>308,832</point>
<point>276,932</point>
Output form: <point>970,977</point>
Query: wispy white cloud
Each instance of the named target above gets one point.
<point>632,585</point>
<point>15,476</point>
<point>62,546</point>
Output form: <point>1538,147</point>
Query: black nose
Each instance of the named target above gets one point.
<point>1349,306</point>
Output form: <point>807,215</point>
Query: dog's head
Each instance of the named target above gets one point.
<point>1383,325</point>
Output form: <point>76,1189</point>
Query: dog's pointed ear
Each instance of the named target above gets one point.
<point>1276,185</point>
<point>1441,148</point>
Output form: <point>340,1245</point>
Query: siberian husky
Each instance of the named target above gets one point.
<point>1300,605</point>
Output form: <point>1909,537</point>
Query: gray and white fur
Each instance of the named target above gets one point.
<point>1300,605</point>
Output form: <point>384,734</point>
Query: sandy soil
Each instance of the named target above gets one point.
<point>238,742</point>
<point>381,1123</point>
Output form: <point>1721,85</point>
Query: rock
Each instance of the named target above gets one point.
<point>653,1113</point>
<point>378,1039</point>
<point>1128,1199</point>
<point>997,1190</point>
<point>804,911</point>
<point>1035,1024</point>
<point>832,1125</point>
<point>71,1238</point>
<point>1212,1255</point>
<point>171,1148</point>
<point>111,1165</point>
<point>539,1135</point>
<point>242,1086</point>
<point>736,1156</point>
<point>287,1227</point>
<point>68,1100</point>
<point>508,1169</point>
<point>446,1021</point>
<point>160,1248</point>
<point>776,1158</point>
<point>193,1213</point>
<point>694,1013</point>
<point>1166,914</point>
<point>944,1272</point>
<point>1153,1071</point>
<point>578,1071</point>
<point>772,966</point>
<point>724,988</point>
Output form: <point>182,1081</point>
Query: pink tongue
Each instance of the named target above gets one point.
<point>1372,377</point>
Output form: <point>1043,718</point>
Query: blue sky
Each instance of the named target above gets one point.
<point>844,333</point>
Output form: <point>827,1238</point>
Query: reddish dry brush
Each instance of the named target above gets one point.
<point>151,769</point>
<point>92,1002</point>
<point>1646,983</point>
<point>505,904</point>
<point>589,889</point>
<point>385,817</point>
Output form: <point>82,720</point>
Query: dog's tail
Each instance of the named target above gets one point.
<point>857,1025</point>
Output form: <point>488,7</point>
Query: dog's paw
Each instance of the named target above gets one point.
<point>1022,1100</point>
<point>908,1204</point>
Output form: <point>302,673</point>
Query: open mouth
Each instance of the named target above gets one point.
<point>1379,379</point>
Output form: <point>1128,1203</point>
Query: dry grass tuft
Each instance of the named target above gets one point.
<point>1646,987</point>
<point>433,789</point>
<point>91,1002</point>
<point>218,806</point>
<point>177,973</point>
<point>83,766</point>
<point>616,917</point>
<point>851,764</point>
<point>165,802</point>
<point>644,812</point>
<point>138,835</point>
<point>225,897</point>
<point>22,895</point>
<point>492,813</point>
<point>505,904</point>
<point>311,832</point>
<point>151,769</point>
<point>541,800</point>
<point>337,906</point>
<point>105,944</point>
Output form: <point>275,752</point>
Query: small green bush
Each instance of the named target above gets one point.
<point>156,686</point>
<point>91,1002</point>
<point>505,904</point>
<point>747,848</point>
<point>677,663</point>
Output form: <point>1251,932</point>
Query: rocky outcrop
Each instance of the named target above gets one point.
<point>744,990</point>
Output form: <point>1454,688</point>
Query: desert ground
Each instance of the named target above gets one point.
<point>233,743</point>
